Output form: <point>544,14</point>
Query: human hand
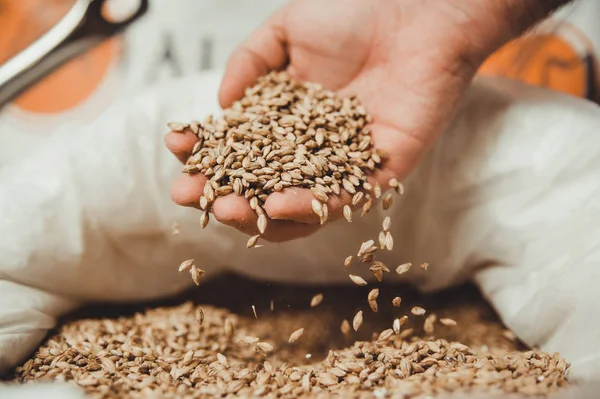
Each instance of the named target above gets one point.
<point>408,62</point>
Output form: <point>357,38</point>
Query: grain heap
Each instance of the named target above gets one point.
<point>284,133</point>
<point>165,353</point>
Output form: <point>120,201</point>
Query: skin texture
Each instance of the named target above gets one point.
<point>409,62</point>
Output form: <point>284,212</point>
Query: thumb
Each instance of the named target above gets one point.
<point>265,50</point>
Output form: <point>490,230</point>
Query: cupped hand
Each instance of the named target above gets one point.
<point>409,62</point>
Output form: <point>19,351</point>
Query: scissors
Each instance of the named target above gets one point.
<point>82,28</point>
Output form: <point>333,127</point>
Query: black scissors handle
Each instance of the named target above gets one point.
<point>82,28</point>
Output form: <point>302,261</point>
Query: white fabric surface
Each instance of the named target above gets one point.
<point>509,196</point>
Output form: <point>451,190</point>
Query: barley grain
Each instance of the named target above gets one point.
<point>403,268</point>
<point>357,280</point>
<point>262,224</point>
<point>386,224</point>
<point>396,301</point>
<point>345,327</point>
<point>387,202</point>
<point>396,326</point>
<point>252,241</point>
<point>417,311</point>
<point>348,213</point>
<point>357,321</point>
<point>295,336</point>
<point>176,127</point>
<point>448,322</point>
<point>186,265</point>
<point>204,219</point>
<point>316,207</point>
<point>199,316</point>
<point>366,207</point>
<point>196,274</point>
<point>348,260</point>
<point>316,300</point>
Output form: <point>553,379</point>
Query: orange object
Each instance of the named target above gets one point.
<point>22,23</point>
<point>549,60</point>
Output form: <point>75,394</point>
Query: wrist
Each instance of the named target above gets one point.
<point>488,25</point>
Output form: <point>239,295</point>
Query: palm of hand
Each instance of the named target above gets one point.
<point>410,81</point>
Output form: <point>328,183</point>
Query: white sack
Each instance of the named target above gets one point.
<point>507,195</point>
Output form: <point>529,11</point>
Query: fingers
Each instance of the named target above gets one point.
<point>265,50</point>
<point>181,144</point>
<point>235,211</point>
<point>295,204</point>
<point>187,190</point>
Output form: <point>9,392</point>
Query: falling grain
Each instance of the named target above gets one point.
<point>403,268</point>
<point>357,280</point>
<point>252,241</point>
<point>199,316</point>
<point>345,327</point>
<point>295,336</point>
<point>448,322</point>
<point>348,213</point>
<point>357,321</point>
<point>387,201</point>
<point>417,311</point>
<point>186,265</point>
<point>348,260</point>
<point>316,300</point>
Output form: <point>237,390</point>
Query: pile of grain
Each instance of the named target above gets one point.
<point>165,351</point>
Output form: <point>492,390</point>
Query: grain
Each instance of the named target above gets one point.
<point>284,133</point>
<point>348,260</point>
<point>403,268</point>
<point>316,300</point>
<point>417,311</point>
<point>424,266</point>
<point>176,126</point>
<point>366,207</point>
<point>381,239</point>
<point>366,248</point>
<point>372,299</point>
<point>357,321</point>
<point>200,316</point>
<point>448,322</point>
<point>389,241</point>
<point>196,274</point>
<point>264,348</point>
<point>387,202</point>
<point>295,336</point>
<point>252,241</point>
<point>345,327</point>
<point>386,224</point>
<point>396,301</point>
<point>316,207</point>
<point>261,223</point>
<point>396,326</point>
<point>347,213</point>
<point>163,353</point>
<point>429,324</point>
<point>357,280</point>
<point>186,265</point>
<point>204,219</point>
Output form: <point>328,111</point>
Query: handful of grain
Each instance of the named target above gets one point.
<point>284,133</point>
